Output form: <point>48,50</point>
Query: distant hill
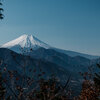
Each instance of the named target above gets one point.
<point>76,63</point>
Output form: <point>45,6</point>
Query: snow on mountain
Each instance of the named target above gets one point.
<point>25,41</point>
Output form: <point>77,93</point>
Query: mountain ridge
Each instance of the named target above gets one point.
<point>27,42</point>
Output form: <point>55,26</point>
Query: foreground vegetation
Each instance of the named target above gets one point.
<point>49,89</point>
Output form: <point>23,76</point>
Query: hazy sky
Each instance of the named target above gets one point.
<point>67,24</point>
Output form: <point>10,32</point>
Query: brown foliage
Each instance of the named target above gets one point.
<point>89,91</point>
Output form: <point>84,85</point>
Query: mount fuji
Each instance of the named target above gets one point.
<point>27,42</point>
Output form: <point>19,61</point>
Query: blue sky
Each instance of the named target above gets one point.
<point>67,24</point>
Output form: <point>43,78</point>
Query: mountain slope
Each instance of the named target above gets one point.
<point>27,42</point>
<point>76,64</point>
<point>16,62</point>
<point>73,54</point>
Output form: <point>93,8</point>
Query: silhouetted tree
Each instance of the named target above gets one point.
<point>97,77</point>
<point>2,89</point>
<point>1,10</point>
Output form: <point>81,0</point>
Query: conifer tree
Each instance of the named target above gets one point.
<point>1,10</point>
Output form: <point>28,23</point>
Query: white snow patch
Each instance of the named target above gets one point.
<point>26,41</point>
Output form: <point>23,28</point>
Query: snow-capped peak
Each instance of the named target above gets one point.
<point>26,41</point>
